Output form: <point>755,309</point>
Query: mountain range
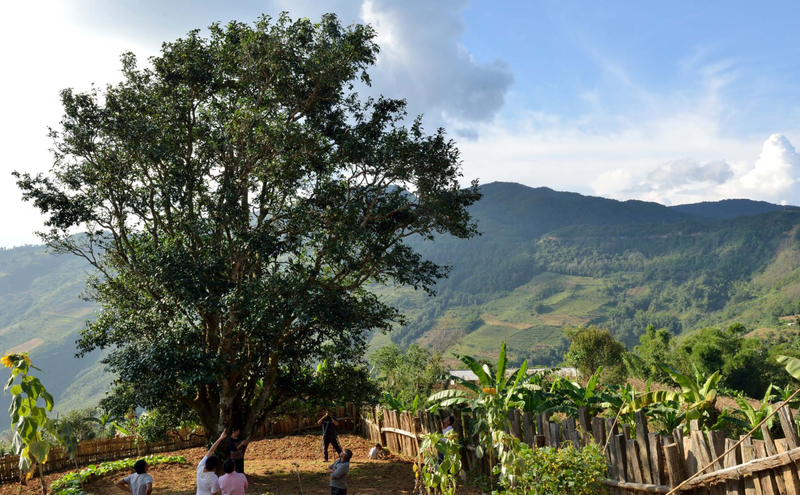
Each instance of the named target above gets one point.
<point>545,259</point>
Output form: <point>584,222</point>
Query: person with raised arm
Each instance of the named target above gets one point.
<point>329,424</point>
<point>207,480</point>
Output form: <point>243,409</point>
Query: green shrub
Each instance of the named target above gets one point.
<point>567,471</point>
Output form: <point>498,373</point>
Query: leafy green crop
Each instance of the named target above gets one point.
<point>72,483</point>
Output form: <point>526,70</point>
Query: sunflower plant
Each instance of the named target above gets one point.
<point>33,433</point>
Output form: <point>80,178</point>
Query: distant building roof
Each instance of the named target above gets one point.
<point>467,375</point>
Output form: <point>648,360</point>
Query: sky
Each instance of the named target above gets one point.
<point>674,102</point>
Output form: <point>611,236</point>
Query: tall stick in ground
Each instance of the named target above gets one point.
<point>299,482</point>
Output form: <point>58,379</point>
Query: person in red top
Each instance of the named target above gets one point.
<point>232,483</point>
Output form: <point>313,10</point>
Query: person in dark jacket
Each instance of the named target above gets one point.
<point>329,424</point>
<point>236,447</point>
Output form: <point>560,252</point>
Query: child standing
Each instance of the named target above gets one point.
<point>232,482</point>
<point>207,481</point>
<point>139,483</point>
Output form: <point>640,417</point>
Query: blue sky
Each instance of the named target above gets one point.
<point>673,102</point>
<point>614,50</point>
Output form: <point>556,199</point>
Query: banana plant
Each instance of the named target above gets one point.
<point>489,401</point>
<point>568,397</point>
<point>793,368</point>
<point>391,403</point>
<point>492,388</point>
<point>395,404</point>
<point>534,394</point>
<point>753,417</point>
<point>697,397</point>
<point>666,416</point>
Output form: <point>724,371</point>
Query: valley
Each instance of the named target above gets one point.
<point>545,260</point>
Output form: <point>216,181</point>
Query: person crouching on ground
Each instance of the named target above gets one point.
<point>329,424</point>
<point>339,470</point>
<point>232,482</point>
<point>376,452</point>
<point>207,480</point>
<point>139,483</point>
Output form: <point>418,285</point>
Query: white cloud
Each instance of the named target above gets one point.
<point>772,177</point>
<point>57,55</point>
<point>776,171</point>
<point>422,59</point>
<point>77,43</point>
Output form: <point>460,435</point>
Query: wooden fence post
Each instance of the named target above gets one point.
<point>642,433</point>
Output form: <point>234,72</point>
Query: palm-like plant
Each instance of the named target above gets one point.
<point>666,416</point>
<point>697,397</point>
<point>783,394</point>
<point>568,397</point>
<point>489,402</point>
<point>104,419</point>
<point>754,417</point>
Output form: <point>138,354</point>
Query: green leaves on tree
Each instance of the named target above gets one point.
<point>238,199</point>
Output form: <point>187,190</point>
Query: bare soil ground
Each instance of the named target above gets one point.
<point>269,468</point>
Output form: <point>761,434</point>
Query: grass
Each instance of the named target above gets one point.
<point>485,342</point>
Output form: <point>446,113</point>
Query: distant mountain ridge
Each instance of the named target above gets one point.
<point>545,259</point>
<point>727,208</point>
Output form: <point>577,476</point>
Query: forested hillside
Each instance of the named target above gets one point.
<point>727,208</point>
<point>41,311</point>
<point>549,259</point>
<point>545,259</point>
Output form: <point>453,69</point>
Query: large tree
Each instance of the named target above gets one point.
<point>238,199</point>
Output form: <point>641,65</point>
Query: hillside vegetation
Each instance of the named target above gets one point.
<point>41,312</point>
<point>545,260</point>
<point>548,259</point>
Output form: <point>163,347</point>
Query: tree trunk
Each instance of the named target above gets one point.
<point>41,478</point>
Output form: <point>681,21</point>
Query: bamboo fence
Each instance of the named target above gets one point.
<point>111,449</point>
<point>643,463</point>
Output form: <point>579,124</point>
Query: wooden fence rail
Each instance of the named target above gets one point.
<point>111,449</point>
<point>644,462</point>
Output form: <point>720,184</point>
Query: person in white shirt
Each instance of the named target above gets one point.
<point>448,427</point>
<point>139,483</point>
<point>376,452</point>
<point>448,424</point>
<point>207,480</point>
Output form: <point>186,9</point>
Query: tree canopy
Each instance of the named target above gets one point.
<point>592,348</point>
<point>238,198</point>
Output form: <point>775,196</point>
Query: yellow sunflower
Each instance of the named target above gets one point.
<point>10,360</point>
